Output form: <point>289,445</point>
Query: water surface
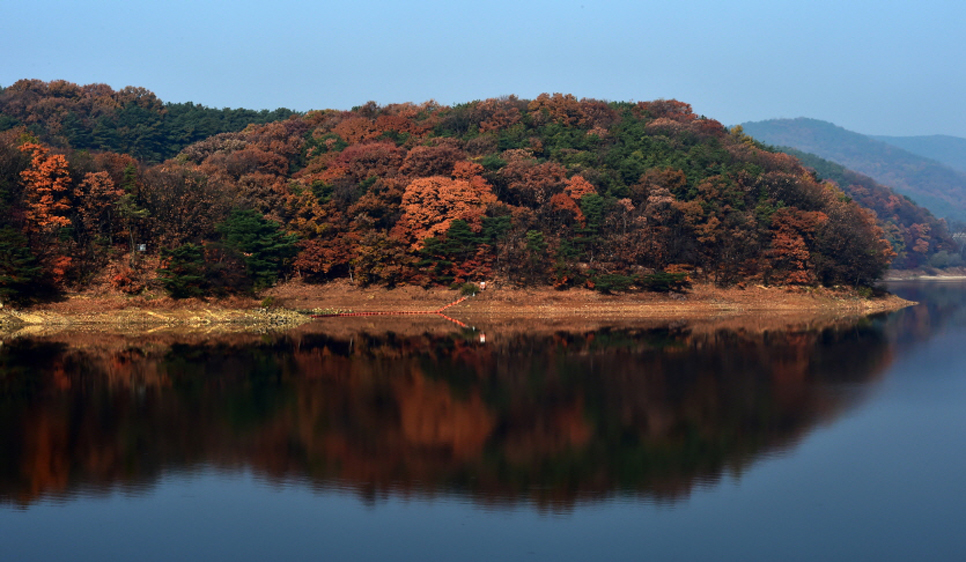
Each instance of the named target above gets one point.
<point>669,442</point>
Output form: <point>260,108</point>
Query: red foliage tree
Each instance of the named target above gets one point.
<point>789,257</point>
<point>431,204</point>
<point>46,184</point>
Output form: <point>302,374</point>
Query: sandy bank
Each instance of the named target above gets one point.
<point>702,301</point>
<point>292,304</point>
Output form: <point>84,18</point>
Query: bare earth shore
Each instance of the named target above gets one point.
<point>293,304</point>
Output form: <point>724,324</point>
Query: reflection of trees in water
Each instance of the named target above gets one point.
<point>551,419</point>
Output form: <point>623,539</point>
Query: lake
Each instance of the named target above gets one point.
<point>366,441</point>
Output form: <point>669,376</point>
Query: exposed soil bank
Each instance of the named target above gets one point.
<point>292,304</point>
<point>702,301</point>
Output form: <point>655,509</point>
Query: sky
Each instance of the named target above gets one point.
<point>876,67</point>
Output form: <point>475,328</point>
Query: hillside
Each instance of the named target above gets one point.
<point>917,236</point>
<point>945,149</point>
<point>553,191</point>
<point>927,182</point>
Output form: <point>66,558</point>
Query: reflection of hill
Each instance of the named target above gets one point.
<point>552,419</point>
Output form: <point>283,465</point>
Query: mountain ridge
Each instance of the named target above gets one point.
<point>946,149</point>
<point>927,181</point>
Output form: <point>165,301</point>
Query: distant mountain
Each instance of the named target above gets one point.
<point>945,149</point>
<point>928,182</point>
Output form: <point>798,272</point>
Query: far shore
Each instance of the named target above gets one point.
<point>951,274</point>
<point>294,303</point>
<point>928,277</point>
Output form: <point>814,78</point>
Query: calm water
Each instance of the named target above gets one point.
<point>679,442</point>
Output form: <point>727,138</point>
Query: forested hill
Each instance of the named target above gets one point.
<point>551,191</point>
<point>944,149</point>
<point>131,121</point>
<point>928,182</point>
<point>917,236</point>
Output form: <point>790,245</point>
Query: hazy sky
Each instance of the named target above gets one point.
<point>876,67</point>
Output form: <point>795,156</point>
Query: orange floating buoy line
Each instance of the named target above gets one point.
<point>437,312</point>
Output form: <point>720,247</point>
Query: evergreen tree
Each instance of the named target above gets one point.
<point>183,274</point>
<point>20,272</point>
<point>266,249</point>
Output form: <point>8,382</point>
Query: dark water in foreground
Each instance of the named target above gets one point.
<point>671,443</point>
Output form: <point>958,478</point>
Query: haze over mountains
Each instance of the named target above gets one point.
<point>945,149</point>
<point>931,170</point>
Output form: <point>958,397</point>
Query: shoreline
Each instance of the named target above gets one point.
<point>292,304</point>
<point>951,274</point>
<point>925,277</point>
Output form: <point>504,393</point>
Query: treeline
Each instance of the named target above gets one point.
<point>130,121</point>
<point>552,191</point>
<point>916,235</point>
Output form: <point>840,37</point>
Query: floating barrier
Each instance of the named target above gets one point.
<point>438,311</point>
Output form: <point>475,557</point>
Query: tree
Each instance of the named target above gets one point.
<point>46,184</point>
<point>577,187</point>
<point>430,205</point>
<point>789,258</point>
<point>97,197</point>
<point>131,213</point>
<point>182,205</point>
<point>381,259</point>
<point>266,249</point>
<point>852,250</point>
<point>20,272</point>
<point>535,264</point>
<point>183,272</point>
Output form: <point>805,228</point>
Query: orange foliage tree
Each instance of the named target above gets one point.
<point>431,204</point>
<point>789,258</point>
<point>46,184</point>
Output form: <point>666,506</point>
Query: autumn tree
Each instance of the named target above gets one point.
<point>46,184</point>
<point>381,260</point>
<point>180,205</point>
<point>431,204</point>
<point>851,249</point>
<point>525,182</point>
<point>97,196</point>
<point>789,257</point>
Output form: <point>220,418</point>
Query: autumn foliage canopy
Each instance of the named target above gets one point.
<point>553,191</point>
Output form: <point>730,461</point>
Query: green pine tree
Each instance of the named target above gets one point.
<point>20,273</point>
<point>266,249</point>
<point>183,275</point>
